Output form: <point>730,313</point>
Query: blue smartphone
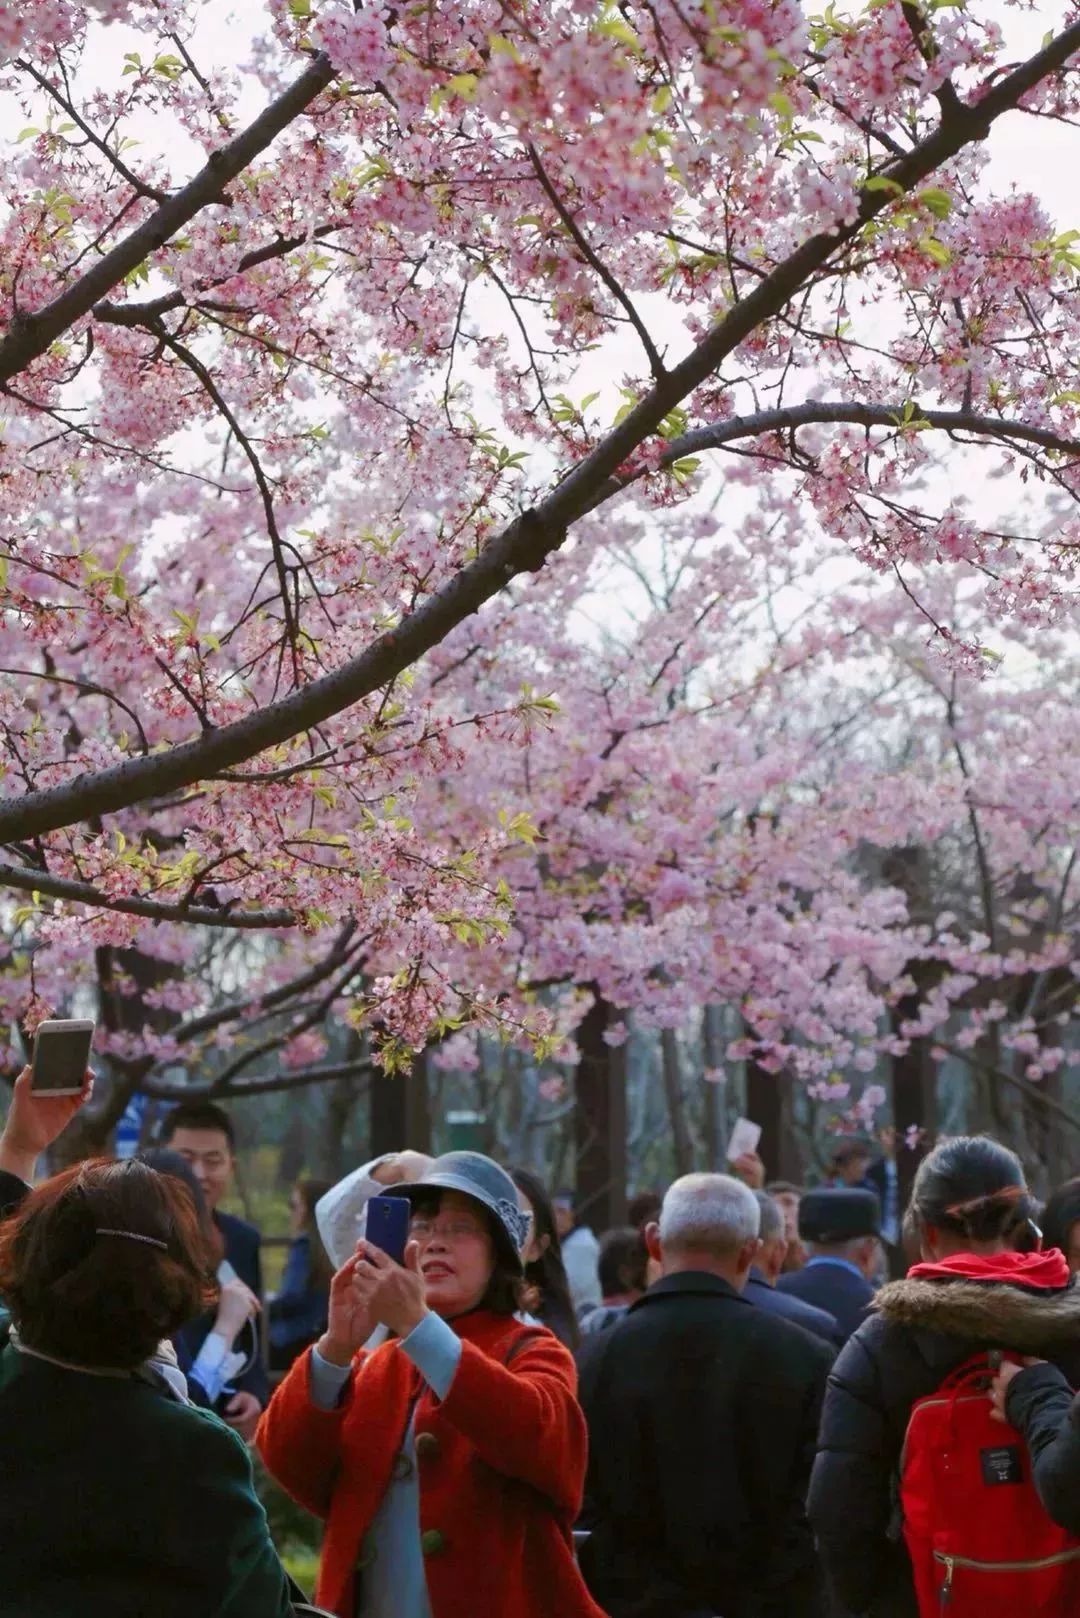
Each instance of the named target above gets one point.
<point>388,1225</point>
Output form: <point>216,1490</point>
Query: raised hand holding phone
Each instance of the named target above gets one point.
<point>35,1120</point>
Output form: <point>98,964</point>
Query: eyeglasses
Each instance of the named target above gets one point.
<point>451,1230</point>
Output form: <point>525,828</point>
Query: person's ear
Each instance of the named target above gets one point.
<point>747,1254</point>
<point>652,1242</point>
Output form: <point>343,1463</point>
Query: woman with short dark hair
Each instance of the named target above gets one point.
<point>979,1286</point>
<point>116,1499</point>
<point>548,1297</point>
<point>449,1463</point>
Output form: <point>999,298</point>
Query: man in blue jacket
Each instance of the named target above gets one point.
<point>202,1133</point>
<point>766,1270</point>
<point>842,1230</point>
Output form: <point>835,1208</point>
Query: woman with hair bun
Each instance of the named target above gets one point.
<point>981,1284</point>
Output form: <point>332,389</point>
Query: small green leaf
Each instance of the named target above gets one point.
<point>938,201</point>
<point>935,250</point>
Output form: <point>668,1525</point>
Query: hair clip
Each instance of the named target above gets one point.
<point>134,1236</point>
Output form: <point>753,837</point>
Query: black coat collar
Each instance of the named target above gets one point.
<point>699,1282</point>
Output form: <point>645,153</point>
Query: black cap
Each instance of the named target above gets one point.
<point>840,1215</point>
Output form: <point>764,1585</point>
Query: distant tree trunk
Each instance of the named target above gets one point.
<point>671,1068</point>
<point>600,1123</point>
<point>329,1156</point>
<point>294,1146</point>
<point>400,1111</point>
<point>768,1103</point>
<point>712,1042</point>
<point>914,1086</point>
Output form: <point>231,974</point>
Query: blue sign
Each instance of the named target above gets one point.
<point>129,1129</point>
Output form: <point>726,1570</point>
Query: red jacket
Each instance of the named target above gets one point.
<point>501,1463</point>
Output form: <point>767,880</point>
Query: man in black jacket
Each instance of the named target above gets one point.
<point>202,1134</point>
<point>841,1229</point>
<point>761,1287</point>
<point>702,1415</point>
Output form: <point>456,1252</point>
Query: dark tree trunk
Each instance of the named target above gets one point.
<point>330,1146</point>
<point>712,1043</point>
<point>400,1111</point>
<point>294,1146</point>
<point>671,1067</point>
<point>600,1123</point>
<point>914,1089</point>
<point>768,1103</point>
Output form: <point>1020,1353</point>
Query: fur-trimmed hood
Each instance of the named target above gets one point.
<point>1023,1302</point>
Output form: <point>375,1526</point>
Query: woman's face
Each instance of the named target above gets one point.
<point>297,1212</point>
<point>457,1254</point>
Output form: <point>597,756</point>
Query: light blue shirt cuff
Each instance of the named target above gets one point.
<point>326,1382</point>
<point>208,1367</point>
<point>435,1350</point>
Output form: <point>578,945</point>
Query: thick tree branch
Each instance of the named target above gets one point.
<point>30,335</point>
<point>527,542</point>
<point>28,880</point>
<point>161,1090</point>
<point>838,412</point>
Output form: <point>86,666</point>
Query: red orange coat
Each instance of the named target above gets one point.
<point>501,1469</point>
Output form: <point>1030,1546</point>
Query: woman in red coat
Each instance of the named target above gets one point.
<point>448,1463</point>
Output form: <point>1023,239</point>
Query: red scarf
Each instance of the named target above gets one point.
<point>1041,1272</point>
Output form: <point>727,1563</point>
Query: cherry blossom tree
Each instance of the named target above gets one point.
<point>303,405</point>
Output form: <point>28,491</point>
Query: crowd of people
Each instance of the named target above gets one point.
<point>751,1401</point>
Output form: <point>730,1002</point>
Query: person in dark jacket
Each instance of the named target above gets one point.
<point>1060,1222</point>
<point>766,1270</point>
<point>203,1135</point>
<point>116,1500</point>
<point>974,1291</point>
<point>702,1414</point>
<point>299,1309</point>
<point>841,1231</point>
<point>624,1261</point>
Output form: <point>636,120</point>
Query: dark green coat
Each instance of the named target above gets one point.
<point>118,1502</point>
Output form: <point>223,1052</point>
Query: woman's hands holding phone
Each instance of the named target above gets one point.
<point>34,1121</point>
<point>393,1294</point>
<point>350,1321</point>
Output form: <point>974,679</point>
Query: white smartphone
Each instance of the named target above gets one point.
<point>61,1053</point>
<point>744,1138</point>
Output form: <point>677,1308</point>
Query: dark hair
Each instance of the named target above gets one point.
<point>166,1161</point>
<point>1061,1214</point>
<point>99,1299</point>
<point>197,1115</point>
<point>643,1208</point>
<point>973,1187</point>
<point>547,1274</point>
<point>321,1271</point>
<point>623,1257</point>
<point>849,1151</point>
<point>507,1289</point>
<point>784,1188</point>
